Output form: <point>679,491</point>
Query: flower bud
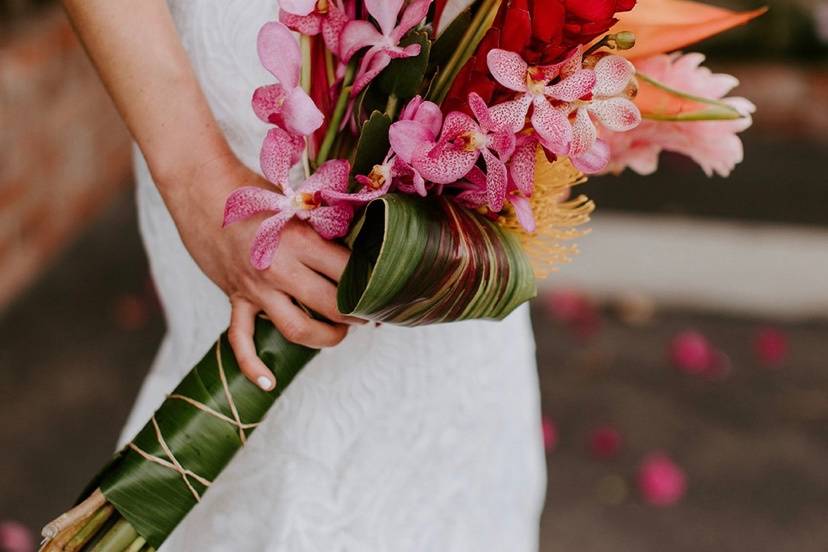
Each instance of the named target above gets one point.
<point>623,40</point>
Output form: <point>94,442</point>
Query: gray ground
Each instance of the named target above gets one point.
<point>755,446</point>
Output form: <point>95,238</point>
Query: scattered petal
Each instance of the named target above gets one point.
<point>661,481</point>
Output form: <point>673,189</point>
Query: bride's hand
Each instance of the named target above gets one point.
<point>305,268</point>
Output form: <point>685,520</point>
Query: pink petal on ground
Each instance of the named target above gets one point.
<point>16,537</point>
<point>357,35</point>
<point>616,114</point>
<point>385,12</point>
<point>523,212</point>
<point>771,346</point>
<point>298,7</point>
<point>604,442</point>
<point>550,434</point>
<point>268,101</point>
<point>613,75</point>
<point>333,176</point>
<point>310,25</point>
<point>573,87</point>
<point>691,352</point>
<point>496,181</point>
<point>661,481</point>
<point>280,151</point>
<point>408,137</point>
<point>300,114</point>
<point>279,53</point>
<point>412,16</point>
<point>574,309</point>
<point>331,222</point>
<point>522,167</point>
<point>508,68</point>
<point>552,126</point>
<point>511,114</point>
<point>267,240</point>
<point>481,111</point>
<point>250,200</point>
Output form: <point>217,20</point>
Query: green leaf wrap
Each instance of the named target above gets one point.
<point>414,262</point>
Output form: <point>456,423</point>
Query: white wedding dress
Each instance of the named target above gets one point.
<point>397,440</point>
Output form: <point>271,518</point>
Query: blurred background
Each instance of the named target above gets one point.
<point>683,357</point>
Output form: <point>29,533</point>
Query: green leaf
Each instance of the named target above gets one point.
<point>373,144</point>
<point>449,40</point>
<point>404,76</point>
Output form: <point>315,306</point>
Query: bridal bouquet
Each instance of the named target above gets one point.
<point>439,141</point>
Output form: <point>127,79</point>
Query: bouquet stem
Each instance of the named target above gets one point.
<point>118,539</point>
<point>338,115</point>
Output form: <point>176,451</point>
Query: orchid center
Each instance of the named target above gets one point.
<point>535,81</point>
<point>322,7</point>
<point>306,201</point>
<point>472,141</point>
<point>377,177</point>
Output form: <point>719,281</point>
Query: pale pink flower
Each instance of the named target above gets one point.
<point>661,481</point>
<point>313,17</point>
<point>532,84</point>
<point>474,194</point>
<point>383,45</point>
<point>306,202</point>
<point>714,145</point>
<point>284,104</point>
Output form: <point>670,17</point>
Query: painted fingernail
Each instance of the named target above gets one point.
<point>265,383</point>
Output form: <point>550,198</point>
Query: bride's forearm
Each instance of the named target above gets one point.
<point>139,56</point>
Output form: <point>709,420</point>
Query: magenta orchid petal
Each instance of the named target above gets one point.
<point>250,200</point>
<point>267,240</point>
<point>357,35</point>
<point>523,212</point>
<point>310,25</point>
<point>457,123</point>
<point>512,114</point>
<point>613,75</point>
<point>279,53</point>
<point>298,7</point>
<point>268,101</point>
<point>300,114</point>
<point>280,151</point>
<point>552,126</point>
<point>414,13</point>
<point>332,27</point>
<point>332,175</point>
<point>331,222</point>
<point>407,137</point>
<point>574,87</point>
<point>430,116</point>
<point>378,63</point>
<point>616,114</point>
<point>503,143</point>
<point>385,12</point>
<point>594,160</point>
<point>508,68</point>
<point>522,167</point>
<point>481,111</point>
<point>448,166</point>
<point>496,181</point>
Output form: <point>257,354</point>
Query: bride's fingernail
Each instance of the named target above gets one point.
<point>265,383</point>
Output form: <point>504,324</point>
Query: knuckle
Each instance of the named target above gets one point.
<point>296,331</point>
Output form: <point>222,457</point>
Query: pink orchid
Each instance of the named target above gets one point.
<point>385,45</point>
<point>413,136</point>
<point>313,17</point>
<point>550,123</point>
<point>608,104</point>
<point>714,145</point>
<point>285,104</point>
<point>306,203</point>
<point>375,185</point>
<point>474,195</point>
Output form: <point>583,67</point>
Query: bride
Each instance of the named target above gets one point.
<point>394,439</point>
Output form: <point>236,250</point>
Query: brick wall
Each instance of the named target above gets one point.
<point>63,151</point>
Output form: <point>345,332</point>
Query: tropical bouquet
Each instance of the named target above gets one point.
<point>440,141</point>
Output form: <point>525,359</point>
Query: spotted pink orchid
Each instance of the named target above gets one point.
<point>608,104</point>
<point>474,194</point>
<point>284,104</point>
<point>306,203</point>
<point>383,45</point>
<point>535,92</point>
<point>314,17</point>
<point>412,137</point>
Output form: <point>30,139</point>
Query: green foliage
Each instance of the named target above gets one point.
<point>373,143</point>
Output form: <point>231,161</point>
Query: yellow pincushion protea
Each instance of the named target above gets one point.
<point>557,215</point>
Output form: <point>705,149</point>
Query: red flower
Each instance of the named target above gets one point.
<point>541,31</point>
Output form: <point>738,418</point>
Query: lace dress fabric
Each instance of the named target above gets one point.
<point>399,439</point>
